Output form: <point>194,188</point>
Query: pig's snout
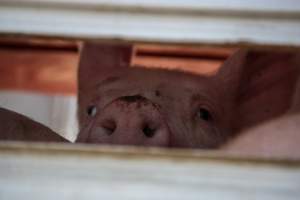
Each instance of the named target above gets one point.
<point>130,120</point>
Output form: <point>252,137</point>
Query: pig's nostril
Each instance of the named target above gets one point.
<point>109,126</point>
<point>148,132</point>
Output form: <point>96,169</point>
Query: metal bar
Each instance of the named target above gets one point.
<point>51,171</point>
<point>259,22</point>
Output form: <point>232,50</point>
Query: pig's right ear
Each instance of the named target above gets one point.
<point>98,61</point>
<point>260,84</point>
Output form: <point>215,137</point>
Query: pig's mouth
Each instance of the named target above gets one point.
<point>128,120</point>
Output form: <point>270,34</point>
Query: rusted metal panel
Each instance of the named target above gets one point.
<point>51,67</point>
<point>51,71</point>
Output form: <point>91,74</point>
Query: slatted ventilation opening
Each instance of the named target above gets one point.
<point>50,66</point>
<point>45,66</point>
<point>200,60</point>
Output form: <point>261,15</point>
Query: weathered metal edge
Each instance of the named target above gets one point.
<point>140,153</point>
<point>200,25</point>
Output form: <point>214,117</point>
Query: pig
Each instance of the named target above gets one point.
<point>17,127</point>
<point>278,138</point>
<point>124,105</point>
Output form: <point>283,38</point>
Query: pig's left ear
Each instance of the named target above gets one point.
<point>100,60</point>
<point>261,84</point>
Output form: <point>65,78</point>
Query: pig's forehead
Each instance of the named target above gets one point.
<point>155,79</point>
<point>158,86</point>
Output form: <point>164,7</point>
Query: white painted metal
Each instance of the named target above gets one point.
<point>234,5</point>
<point>190,21</point>
<point>70,172</point>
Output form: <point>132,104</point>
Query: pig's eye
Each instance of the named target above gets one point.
<point>204,114</point>
<point>91,110</point>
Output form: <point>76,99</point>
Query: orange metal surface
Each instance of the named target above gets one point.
<point>54,69</point>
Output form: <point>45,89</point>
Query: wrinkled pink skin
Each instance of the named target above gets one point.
<point>250,88</point>
<point>16,127</point>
